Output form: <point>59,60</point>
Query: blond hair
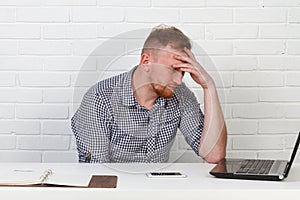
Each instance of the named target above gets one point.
<point>164,35</point>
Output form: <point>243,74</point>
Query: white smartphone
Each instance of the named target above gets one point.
<point>165,175</point>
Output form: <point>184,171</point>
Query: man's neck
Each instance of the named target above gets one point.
<point>142,89</point>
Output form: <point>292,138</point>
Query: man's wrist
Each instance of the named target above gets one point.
<point>209,85</point>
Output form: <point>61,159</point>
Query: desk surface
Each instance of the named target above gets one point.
<point>134,184</point>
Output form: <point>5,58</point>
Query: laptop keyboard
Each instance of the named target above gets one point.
<point>255,166</point>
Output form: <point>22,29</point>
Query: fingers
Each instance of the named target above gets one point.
<point>189,53</point>
<point>190,58</point>
<point>186,67</point>
<point>181,58</point>
<point>189,62</point>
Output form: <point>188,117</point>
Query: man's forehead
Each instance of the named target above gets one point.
<point>169,50</point>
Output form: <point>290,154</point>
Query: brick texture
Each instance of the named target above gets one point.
<point>52,51</point>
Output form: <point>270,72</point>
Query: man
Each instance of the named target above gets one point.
<point>134,116</point>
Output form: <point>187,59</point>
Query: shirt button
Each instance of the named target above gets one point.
<point>150,136</point>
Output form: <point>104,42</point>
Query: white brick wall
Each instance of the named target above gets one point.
<point>253,49</point>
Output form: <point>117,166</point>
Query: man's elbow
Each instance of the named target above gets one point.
<point>214,158</point>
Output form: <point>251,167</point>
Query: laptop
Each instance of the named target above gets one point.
<point>253,169</point>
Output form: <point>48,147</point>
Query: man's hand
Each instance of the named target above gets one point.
<point>214,135</point>
<point>191,65</point>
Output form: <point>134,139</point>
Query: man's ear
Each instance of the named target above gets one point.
<point>145,61</point>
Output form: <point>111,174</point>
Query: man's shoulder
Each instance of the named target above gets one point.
<point>184,95</point>
<point>108,85</point>
<point>182,90</point>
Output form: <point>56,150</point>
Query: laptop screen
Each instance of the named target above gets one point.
<point>293,155</point>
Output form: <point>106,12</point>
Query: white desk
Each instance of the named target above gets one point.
<point>133,184</point>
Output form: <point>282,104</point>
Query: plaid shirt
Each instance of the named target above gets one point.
<point>113,127</point>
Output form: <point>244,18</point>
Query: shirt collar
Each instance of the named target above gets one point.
<point>127,92</point>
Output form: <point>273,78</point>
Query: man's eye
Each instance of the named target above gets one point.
<point>175,70</point>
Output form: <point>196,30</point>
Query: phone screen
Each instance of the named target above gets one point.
<point>166,174</point>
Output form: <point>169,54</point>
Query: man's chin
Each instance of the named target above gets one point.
<point>166,93</point>
<point>163,91</point>
<point>169,95</point>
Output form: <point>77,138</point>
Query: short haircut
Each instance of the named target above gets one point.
<point>164,35</point>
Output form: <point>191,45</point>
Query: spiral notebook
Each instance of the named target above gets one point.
<point>49,178</point>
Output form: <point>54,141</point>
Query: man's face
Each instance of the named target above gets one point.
<point>164,77</point>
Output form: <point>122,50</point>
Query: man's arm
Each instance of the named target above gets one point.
<point>213,141</point>
<point>214,136</point>
<point>90,125</point>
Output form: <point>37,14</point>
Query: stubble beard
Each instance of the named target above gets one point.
<point>163,91</point>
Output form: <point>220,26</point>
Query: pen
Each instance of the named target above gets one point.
<point>88,158</point>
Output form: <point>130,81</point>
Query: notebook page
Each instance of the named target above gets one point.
<point>69,179</point>
<point>20,177</point>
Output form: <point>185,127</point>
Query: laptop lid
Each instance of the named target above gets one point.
<point>293,155</point>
